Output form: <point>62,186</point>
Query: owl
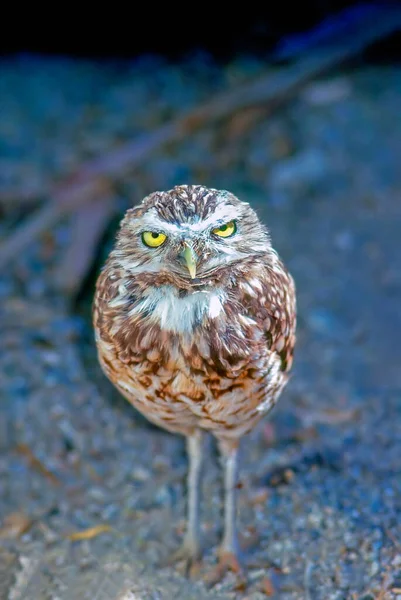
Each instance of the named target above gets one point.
<point>194,317</point>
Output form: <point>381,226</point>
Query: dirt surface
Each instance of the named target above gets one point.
<point>321,481</point>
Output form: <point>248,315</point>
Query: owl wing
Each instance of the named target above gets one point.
<point>280,304</point>
<point>271,300</point>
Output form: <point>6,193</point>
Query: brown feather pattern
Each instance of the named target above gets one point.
<point>213,352</point>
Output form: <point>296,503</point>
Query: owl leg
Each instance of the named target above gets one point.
<point>190,550</point>
<point>229,549</point>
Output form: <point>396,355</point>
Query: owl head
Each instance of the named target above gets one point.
<point>190,232</point>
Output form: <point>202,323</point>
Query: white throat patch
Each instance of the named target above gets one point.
<point>180,315</point>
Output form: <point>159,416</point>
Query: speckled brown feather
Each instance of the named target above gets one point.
<point>226,372</point>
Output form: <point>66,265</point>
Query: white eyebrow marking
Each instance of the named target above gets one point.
<point>151,221</point>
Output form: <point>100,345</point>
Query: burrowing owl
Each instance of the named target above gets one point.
<point>195,317</point>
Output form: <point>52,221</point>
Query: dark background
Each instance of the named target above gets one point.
<point>130,30</point>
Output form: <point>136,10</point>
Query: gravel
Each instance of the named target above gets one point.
<point>321,481</point>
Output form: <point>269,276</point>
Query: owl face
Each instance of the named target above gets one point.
<point>189,231</point>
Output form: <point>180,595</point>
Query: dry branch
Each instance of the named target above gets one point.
<point>36,464</point>
<point>89,534</point>
<point>88,224</point>
<point>23,196</point>
<point>270,91</point>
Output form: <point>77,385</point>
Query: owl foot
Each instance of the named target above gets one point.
<point>228,561</point>
<point>189,554</point>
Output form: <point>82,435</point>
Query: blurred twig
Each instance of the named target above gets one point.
<point>24,196</point>
<point>65,201</point>
<point>88,534</point>
<point>270,90</point>
<point>88,224</point>
<point>36,464</point>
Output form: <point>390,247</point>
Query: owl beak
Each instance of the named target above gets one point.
<point>190,260</point>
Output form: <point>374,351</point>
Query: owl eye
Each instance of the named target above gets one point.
<point>153,239</point>
<point>226,230</point>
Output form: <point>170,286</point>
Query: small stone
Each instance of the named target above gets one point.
<point>15,525</point>
<point>97,494</point>
<point>161,463</point>
<point>315,519</point>
<point>140,474</point>
<point>128,595</point>
<point>396,562</point>
<point>374,569</point>
<point>259,497</point>
<point>49,535</point>
<point>164,496</point>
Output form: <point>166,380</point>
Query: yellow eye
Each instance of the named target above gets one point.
<point>153,239</point>
<point>226,230</point>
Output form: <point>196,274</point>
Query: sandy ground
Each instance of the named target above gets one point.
<point>321,478</point>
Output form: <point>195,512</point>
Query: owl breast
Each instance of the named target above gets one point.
<point>180,313</point>
<point>215,358</point>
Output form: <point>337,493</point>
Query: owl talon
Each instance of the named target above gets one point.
<point>189,554</point>
<point>228,561</point>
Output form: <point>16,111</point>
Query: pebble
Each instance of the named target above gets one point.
<point>140,474</point>
<point>97,494</point>
<point>374,569</point>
